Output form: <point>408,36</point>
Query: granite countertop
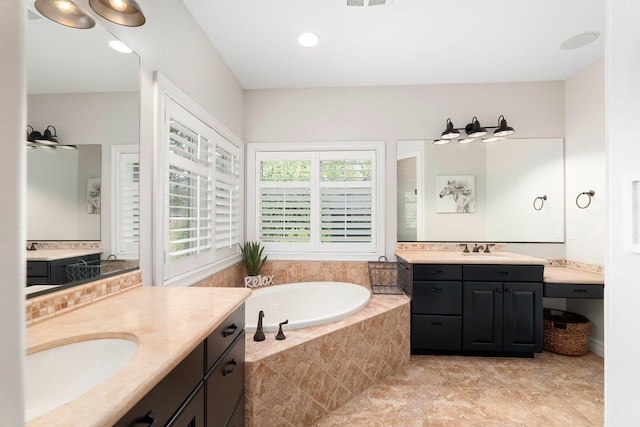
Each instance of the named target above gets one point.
<point>168,323</point>
<point>457,257</point>
<point>56,254</point>
<point>563,274</point>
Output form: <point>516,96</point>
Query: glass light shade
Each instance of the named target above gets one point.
<point>441,141</point>
<point>466,140</point>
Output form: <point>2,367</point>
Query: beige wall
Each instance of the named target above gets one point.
<point>392,113</point>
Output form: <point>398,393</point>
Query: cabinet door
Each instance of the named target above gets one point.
<point>522,312</point>
<point>437,297</point>
<point>482,316</point>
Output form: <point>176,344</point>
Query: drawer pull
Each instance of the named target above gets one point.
<point>436,271</point>
<point>229,331</point>
<point>436,324</point>
<point>499,290</point>
<point>229,368</point>
<point>504,273</point>
<point>148,420</point>
<point>579,290</point>
<point>436,289</point>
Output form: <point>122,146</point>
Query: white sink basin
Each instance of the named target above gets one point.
<point>485,256</point>
<point>59,374</point>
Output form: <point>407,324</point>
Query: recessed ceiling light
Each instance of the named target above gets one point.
<point>119,46</point>
<point>580,40</point>
<point>308,39</point>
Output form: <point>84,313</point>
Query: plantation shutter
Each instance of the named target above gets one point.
<point>189,193</point>
<point>345,201</point>
<point>227,193</point>
<point>126,190</point>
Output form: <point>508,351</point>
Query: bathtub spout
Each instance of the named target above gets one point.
<point>259,335</point>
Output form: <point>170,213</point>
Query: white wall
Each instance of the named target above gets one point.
<point>172,43</point>
<point>89,118</point>
<point>392,113</point>
<point>622,268</point>
<point>12,223</point>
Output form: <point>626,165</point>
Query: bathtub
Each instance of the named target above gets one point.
<point>304,304</point>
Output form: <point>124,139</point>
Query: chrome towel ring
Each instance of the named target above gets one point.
<point>589,194</point>
<point>537,206</point>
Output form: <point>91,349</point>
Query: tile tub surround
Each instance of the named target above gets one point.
<point>300,380</point>
<point>54,304</point>
<point>294,272</point>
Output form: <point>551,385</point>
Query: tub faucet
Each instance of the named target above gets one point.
<point>281,335</point>
<point>259,335</point>
<point>477,248</point>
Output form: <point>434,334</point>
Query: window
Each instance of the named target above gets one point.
<point>125,230</point>
<point>318,204</point>
<point>199,204</point>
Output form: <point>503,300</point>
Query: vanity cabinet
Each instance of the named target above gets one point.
<point>53,272</point>
<point>476,308</point>
<point>205,389</point>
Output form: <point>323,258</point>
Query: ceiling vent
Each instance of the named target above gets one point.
<point>368,2</point>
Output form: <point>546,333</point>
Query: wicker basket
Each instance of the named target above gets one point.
<point>566,333</point>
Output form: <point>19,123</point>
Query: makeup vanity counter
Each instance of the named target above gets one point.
<point>167,323</point>
<point>569,282</point>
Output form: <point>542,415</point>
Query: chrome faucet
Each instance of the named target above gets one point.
<point>477,248</point>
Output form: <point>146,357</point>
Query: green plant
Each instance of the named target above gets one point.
<point>252,257</point>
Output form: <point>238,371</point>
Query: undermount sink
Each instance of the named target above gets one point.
<point>485,256</point>
<point>59,374</point>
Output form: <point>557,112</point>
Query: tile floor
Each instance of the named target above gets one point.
<point>549,390</point>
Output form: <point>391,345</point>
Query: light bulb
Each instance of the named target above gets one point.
<point>118,5</point>
<point>64,6</point>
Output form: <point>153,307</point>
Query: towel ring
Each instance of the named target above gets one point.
<point>589,194</point>
<point>537,206</point>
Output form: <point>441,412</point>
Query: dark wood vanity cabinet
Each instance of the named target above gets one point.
<point>53,272</point>
<point>205,389</point>
<point>476,308</point>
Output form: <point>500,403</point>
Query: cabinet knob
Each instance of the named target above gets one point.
<point>499,290</point>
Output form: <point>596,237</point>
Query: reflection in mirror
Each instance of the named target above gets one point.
<point>90,94</point>
<point>481,191</point>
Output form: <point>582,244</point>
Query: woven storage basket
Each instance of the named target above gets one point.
<point>566,333</point>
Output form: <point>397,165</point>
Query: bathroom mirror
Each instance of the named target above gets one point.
<point>506,191</point>
<point>89,93</point>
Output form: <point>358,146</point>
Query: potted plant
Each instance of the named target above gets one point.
<point>253,261</point>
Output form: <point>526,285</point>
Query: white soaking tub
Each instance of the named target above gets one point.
<point>304,304</point>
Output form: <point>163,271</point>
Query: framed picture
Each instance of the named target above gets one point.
<point>455,194</point>
<point>93,195</point>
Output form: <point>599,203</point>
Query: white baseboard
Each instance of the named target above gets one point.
<point>596,346</point>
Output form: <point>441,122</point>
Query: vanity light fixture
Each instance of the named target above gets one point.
<point>46,139</point>
<point>121,12</point>
<point>65,12</point>
<point>474,130</point>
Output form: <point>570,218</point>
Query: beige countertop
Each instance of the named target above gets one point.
<point>56,254</point>
<point>457,257</point>
<point>562,274</point>
<point>168,323</point>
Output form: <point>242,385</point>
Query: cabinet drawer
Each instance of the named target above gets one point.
<point>436,332</point>
<point>225,384</point>
<point>437,272</point>
<point>237,418</point>
<point>37,268</point>
<point>571,290</point>
<point>503,273</point>
<point>224,335</point>
<point>437,297</point>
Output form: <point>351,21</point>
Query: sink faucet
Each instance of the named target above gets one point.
<point>465,247</point>
<point>486,250</point>
<point>477,248</point>
<point>32,247</point>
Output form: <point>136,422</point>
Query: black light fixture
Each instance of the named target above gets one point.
<point>65,12</point>
<point>450,132</point>
<point>121,12</point>
<point>474,130</point>
<point>47,139</point>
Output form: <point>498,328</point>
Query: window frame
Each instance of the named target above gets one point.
<point>286,251</point>
<point>165,93</point>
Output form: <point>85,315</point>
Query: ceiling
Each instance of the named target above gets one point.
<point>401,43</point>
